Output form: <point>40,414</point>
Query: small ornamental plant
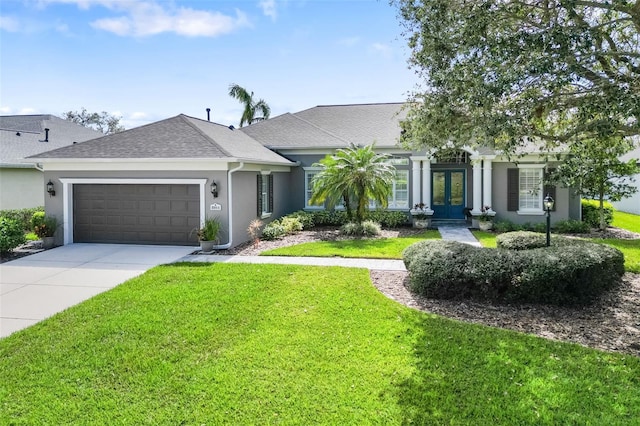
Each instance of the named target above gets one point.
<point>42,225</point>
<point>485,215</point>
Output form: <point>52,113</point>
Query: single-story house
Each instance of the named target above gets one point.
<point>156,183</point>
<point>22,182</point>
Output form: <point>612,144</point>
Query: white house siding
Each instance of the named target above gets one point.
<point>632,204</point>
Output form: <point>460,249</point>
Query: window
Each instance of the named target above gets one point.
<point>309,174</point>
<point>525,189</point>
<point>265,195</point>
<point>399,198</point>
<point>530,189</point>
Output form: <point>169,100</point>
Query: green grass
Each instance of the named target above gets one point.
<point>275,344</point>
<point>378,248</point>
<point>487,239</point>
<point>630,249</point>
<point>628,221</point>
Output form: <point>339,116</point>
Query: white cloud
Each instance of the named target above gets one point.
<point>10,24</point>
<point>148,18</point>
<point>269,8</point>
<point>5,110</point>
<point>382,49</point>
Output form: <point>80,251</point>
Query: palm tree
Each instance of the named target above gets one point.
<point>355,175</point>
<point>250,106</point>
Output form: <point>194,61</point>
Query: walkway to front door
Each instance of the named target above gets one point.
<point>448,189</point>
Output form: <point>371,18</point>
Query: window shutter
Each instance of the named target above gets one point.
<point>270,193</point>
<point>550,189</point>
<point>513,189</point>
<point>259,192</point>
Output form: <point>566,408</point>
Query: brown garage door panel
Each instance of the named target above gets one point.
<point>136,214</point>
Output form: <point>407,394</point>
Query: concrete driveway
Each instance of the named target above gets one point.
<point>37,286</point>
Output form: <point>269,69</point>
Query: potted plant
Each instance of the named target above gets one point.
<point>208,233</point>
<point>485,220</point>
<point>44,227</point>
<point>421,215</point>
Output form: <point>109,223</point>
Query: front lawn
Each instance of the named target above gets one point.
<point>267,344</point>
<point>373,248</point>
<point>628,221</point>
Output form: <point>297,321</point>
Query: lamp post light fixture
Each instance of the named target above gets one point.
<point>214,189</point>
<point>548,206</point>
<point>50,189</point>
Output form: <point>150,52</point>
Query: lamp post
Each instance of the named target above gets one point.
<point>548,205</point>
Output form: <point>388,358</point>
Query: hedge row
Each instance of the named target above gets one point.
<point>567,273</point>
<point>23,216</point>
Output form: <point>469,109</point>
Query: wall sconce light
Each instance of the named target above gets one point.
<point>214,189</point>
<point>50,189</point>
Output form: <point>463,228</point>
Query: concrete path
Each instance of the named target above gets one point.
<point>458,233</point>
<point>37,286</point>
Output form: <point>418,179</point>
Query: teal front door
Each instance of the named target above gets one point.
<point>447,194</point>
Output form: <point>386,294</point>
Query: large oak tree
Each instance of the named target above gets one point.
<point>503,73</point>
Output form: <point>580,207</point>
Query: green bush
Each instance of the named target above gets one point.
<point>291,224</point>
<point>23,216</point>
<point>506,226</point>
<point>522,240</point>
<point>591,213</point>
<point>305,218</point>
<point>11,234</point>
<point>367,228</point>
<point>329,217</point>
<point>569,272</point>
<point>273,231</point>
<point>571,226</point>
<point>388,218</point>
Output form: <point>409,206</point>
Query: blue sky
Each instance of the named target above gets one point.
<point>148,60</point>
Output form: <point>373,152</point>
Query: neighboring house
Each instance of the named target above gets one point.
<point>631,204</point>
<point>22,183</point>
<point>153,184</point>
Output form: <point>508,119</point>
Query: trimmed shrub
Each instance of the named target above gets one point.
<point>11,234</point>
<point>522,240</point>
<point>367,228</point>
<point>305,218</point>
<point>569,272</point>
<point>506,226</point>
<point>23,216</point>
<point>571,226</point>
<point>591,213</point>
<point>329,217</point>
<point>291,224</point>
<point>388,218</point>
<point>273,231</point>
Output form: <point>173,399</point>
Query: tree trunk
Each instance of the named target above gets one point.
<point>603,224</point>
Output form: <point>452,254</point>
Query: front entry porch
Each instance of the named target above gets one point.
<point>450,185</point>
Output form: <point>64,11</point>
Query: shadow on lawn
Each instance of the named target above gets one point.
<point>467,374</point>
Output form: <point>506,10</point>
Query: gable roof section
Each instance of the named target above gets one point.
<point>22,136</point>
<point>179,137</point>
<point>332,126</point>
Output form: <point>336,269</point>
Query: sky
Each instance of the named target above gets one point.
<point>148,60</point>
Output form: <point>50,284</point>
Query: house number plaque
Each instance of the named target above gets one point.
<point>216,207</point>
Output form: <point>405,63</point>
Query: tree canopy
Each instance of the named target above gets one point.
<point>503,72</point>
<point>355,176</point>
<point>103,122</point>
<point>251,106</point>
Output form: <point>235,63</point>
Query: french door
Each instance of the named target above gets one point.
<point>447,194</point>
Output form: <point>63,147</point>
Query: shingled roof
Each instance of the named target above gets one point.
<point>177,137</point>
<point>332,126</point>
<point>23,135</point>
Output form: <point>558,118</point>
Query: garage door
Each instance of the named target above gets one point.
<point>136,214</point>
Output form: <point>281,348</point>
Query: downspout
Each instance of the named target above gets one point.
<point>230,208</point>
